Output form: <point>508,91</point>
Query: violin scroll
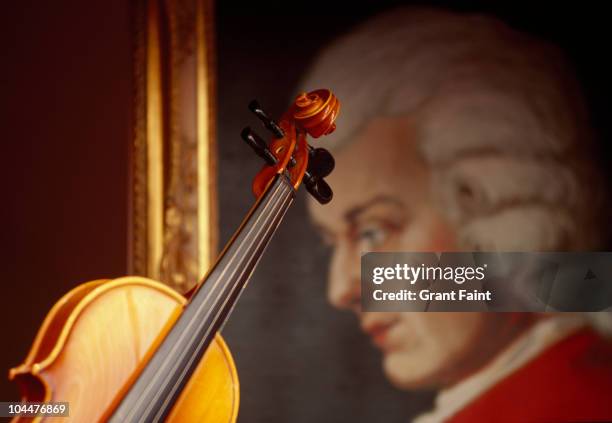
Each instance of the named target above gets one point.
<point>316,112</point>
<point>288,152</point>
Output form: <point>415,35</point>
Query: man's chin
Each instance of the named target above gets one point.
<point>410,371</point>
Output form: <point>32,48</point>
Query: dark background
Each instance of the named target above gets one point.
<point>66,103</point>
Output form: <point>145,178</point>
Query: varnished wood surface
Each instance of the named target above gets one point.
<point>98,334</point>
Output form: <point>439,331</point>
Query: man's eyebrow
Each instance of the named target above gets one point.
<point>353,214</point>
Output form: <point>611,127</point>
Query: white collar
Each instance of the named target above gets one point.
<point>526,347</point>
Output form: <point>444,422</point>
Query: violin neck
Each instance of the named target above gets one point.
<point>160,383</point>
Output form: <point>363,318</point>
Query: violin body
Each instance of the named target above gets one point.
<point>93,341</point>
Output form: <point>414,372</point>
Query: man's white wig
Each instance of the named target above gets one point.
<point>499,119</point>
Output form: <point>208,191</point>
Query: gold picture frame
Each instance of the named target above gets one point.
<point>173,219</point>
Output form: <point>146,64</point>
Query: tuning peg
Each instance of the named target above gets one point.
<point>272,126</point>
<point>318,188</point>
<point>320,163</point>
<point>258,145</point>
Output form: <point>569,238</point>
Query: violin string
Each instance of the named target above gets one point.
<point>172,352</point>
<point>270,230</point>
<point>143,395</point>
<point>187,330</point>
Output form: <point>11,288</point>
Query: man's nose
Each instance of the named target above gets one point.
<point>344,288</point>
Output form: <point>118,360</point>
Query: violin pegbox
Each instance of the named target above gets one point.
<point>288,151</point>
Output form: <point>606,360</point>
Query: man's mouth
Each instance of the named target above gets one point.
<point>378,331</point>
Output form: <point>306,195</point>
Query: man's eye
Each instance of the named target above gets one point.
<point>371,237</point>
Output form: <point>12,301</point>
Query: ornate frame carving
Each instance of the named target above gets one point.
<point>173,227</point>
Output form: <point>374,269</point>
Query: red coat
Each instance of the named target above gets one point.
<point>570,381</point>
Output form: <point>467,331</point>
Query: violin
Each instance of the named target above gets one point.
<point>133,350</point>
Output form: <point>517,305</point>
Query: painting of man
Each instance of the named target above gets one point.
<point>461,134</point>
